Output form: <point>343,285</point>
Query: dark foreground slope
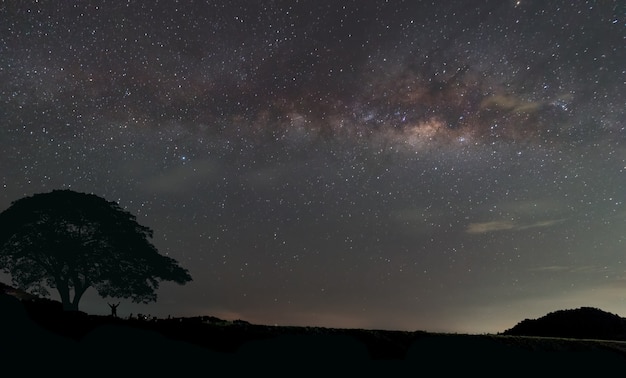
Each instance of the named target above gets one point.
<point>38,339</point>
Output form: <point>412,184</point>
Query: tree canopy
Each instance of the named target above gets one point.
<point>72,241</point>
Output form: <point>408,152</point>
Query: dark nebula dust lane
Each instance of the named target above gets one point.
<point>454,166</point>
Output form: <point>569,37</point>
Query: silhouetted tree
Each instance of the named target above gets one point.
<point>71,241</point>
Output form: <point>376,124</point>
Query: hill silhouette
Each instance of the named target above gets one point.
<point>19,294</point>
<point>580,323</point>
<point>39,337</point>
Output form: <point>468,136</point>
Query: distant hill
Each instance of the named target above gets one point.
<point>35,304</point>
<point>17,293</point>
<point>580,323</point>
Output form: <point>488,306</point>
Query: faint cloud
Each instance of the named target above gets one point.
<point>571,269</point>
<point>551,268</point>
<point>546,223</point>
<point>484,227</point>
<point>492,226</point>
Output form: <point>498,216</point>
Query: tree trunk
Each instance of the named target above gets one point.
<point>78,293</point>
<point>64,293</point>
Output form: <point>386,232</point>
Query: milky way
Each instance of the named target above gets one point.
<point>455,166</point>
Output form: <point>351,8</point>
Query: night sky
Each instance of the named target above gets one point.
<point>452,166</point>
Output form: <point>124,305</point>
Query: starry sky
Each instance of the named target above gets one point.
<point>453,166</point>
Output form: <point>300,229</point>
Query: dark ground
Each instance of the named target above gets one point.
<point>38,337</point>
